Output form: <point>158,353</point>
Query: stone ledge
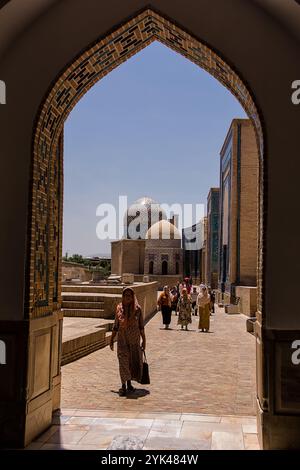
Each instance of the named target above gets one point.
<point>80,341</point>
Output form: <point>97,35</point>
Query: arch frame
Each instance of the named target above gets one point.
<point>43,288</point>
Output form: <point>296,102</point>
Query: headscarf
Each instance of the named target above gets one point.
<point>123,318</point>
<point>203,297</point>
<point>185,298</point>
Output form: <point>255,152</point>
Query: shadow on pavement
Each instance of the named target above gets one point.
<point>138,393</point>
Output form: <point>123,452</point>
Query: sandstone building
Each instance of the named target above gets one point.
<point>238,242</point>
<point>152,247</point>
<point>212,242</point>
<point>192,243</point>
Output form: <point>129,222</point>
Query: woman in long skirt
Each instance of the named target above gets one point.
<point>184,308</point>
<point>203,304</point>
<point>129,325</point>
<point>164,302</point>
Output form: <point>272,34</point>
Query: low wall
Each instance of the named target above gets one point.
<point>146,294</point>
<point>248,300</point>
<point>162,281</point>
<point>222,298</point>
<point>75,271</point>
<point>83,345</point>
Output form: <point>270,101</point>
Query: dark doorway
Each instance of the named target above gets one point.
<point>164,268</point>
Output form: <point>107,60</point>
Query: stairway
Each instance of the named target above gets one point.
<point>89,302</point>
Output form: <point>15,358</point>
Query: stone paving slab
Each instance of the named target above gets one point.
<point>191,372</point>
<point>80,432</point>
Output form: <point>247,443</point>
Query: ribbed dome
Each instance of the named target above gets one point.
<point>163,230</point>
<point>147,212</point>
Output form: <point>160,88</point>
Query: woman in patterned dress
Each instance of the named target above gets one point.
<point>203,304</point>
<point>184,308</point>
<point>129,325</point>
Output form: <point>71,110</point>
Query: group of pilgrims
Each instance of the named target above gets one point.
<point>186,300</point>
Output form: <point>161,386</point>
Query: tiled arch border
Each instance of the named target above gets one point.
<point>93,64</point>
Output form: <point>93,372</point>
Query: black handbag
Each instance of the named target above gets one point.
<point>145,380</point>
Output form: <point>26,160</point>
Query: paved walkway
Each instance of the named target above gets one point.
<point>191,372</point>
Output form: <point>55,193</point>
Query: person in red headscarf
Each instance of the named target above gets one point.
<point>129,326</point>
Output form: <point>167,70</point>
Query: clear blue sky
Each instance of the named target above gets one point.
<point>154,126</point>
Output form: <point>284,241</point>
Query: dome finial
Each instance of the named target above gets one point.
<point>143,213</point>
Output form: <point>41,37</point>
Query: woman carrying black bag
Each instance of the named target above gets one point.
<point>129,326</point>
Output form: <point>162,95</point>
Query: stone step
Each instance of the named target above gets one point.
<point>90,297</point>
<point>82,305</point>
<point>84,336</point>
<point>88,313</point>
<point>105,290</point>
<point>108,326</point>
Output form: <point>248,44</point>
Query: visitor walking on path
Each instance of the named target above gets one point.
<point>178,293</point>
<point>129,325</point>
<point>184,308</point>
<point>188,284</point>
<point>212,301</point>
<point>194,296</point>
<point>181,287</point>
<point>164,303</point>
<point>203,304</point>
<point>174,300</point>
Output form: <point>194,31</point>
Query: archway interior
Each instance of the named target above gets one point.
<point>44,293</point>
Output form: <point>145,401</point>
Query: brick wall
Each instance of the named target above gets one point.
<point>249,207</point>
<point>243,220</point>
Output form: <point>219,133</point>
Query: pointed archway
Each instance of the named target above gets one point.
<point>265,53</point>
<point>100,58</point>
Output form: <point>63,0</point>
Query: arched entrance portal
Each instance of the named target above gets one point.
<point>44,290</point>
<point>256,45</point>
<point>96,62</point>
<point>151,267</point>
